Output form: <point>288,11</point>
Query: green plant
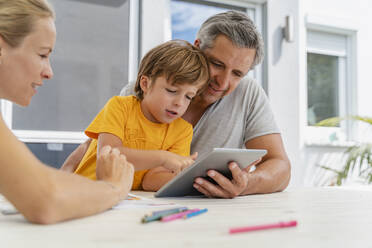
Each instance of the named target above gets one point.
<point>358,156</point>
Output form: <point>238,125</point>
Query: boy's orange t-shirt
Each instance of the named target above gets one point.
<point>122,117</point>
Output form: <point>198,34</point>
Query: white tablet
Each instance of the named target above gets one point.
<point>218,160</point>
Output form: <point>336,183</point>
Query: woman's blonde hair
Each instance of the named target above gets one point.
<point>18,17</point>
<point>178,61</point>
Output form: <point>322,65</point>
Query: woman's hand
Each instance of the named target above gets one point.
<point>113,168</point>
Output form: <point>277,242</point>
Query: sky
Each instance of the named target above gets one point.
<point>187,18</point>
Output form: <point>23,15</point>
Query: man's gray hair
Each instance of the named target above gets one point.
<point>236,26</point>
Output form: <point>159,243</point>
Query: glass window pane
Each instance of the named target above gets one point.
<point>90,64</point>
<point>187,17</point>
<point>322,87</point>
<point>53,158</point>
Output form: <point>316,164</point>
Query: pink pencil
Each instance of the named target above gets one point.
<point>263,227</point>
<point>178,215</point>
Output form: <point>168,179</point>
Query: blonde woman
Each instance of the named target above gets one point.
<point>42,194</point>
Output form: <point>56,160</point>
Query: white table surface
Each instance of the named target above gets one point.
<point>327,217</point>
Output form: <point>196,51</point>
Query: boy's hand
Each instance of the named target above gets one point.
<point>113,168</point>
<point>176,163</point>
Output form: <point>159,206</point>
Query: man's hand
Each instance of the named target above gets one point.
<point>176,163</point>
<point>225,187</point>
<point>113,168</point>
<point>271,175</point>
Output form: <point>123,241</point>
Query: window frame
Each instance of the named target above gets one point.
<point>74,137</point>
<point>136,49</point>
<point>347,90</point>
<point>254,7</point>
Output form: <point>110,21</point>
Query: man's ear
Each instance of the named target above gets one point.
<point>145,83</point>
<point>197,43</point>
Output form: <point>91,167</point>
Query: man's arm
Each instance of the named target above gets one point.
<point>45,195</point>
<point>274,173</point>
<point>271,175</point>
<point>74,159</point>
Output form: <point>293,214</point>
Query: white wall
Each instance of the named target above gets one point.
<point>358,14</point>
<point>287,74</point>
<point>354,15</point>
<point>284,78</point>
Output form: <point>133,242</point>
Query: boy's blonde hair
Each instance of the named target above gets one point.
<point>178,61</point>
<point>18,17</point>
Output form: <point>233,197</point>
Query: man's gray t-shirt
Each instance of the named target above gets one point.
<point>230,122</point>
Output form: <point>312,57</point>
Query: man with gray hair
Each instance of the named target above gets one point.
<point>233,111</point>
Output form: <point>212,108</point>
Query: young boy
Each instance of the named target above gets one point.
<point>148,127</point>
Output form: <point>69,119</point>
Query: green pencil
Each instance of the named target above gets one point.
<point>159,214</point>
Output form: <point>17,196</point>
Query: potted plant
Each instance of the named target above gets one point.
<point>358,157</point>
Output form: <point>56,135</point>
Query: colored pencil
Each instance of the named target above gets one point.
<point>178,216</point>
<point>169,210</point>
<point>195,213</point>
<point>163,213</point>
<point>263,227</point>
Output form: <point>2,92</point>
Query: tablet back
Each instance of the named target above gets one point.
<point>217,159</point>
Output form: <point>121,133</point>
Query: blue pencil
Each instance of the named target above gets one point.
<point>195,213</point>
<point>160,214</point>
<point>180,209</point>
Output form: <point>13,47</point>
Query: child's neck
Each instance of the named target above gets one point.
<point>146,113</point>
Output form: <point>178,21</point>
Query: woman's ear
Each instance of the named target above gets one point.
<point>145,83</point>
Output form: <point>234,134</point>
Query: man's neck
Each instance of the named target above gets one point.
<point>195,111</point>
